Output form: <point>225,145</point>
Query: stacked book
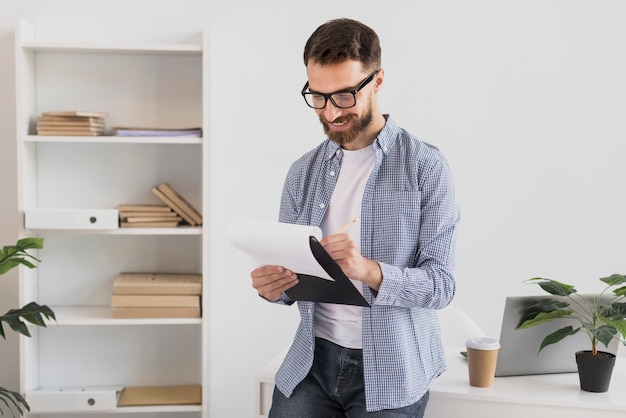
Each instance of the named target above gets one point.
<point>177,203</point>
<point>71,123</point>
<point>156,295</point>
<point>147,216</point>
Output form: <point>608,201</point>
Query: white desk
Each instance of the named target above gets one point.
<point>554,395</point>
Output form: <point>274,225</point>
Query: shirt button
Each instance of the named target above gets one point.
<point>332,173</point>
<point>338,152</point>
<point>322,205</point>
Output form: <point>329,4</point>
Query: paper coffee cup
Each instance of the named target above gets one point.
<point>482,357</point>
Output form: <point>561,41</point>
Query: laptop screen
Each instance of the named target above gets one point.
<point>519,349</point>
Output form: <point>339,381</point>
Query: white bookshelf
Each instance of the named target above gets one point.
<point>139,84</point>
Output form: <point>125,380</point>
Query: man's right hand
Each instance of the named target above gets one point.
<point>271,281</point>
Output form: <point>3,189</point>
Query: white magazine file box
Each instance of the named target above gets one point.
<point>75,219</point>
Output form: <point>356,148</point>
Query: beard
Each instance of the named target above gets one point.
<point>357,126</point>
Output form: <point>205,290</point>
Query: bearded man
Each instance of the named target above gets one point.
<point>376,361</point>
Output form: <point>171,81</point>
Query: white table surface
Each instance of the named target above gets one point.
<point>523,396</point>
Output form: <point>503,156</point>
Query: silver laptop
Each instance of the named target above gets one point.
<point>519,349</point>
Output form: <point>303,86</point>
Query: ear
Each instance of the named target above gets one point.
<point>378,79</point>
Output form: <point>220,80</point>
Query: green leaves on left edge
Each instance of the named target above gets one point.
<point>13,255</point>
<point>33,313</point>
<point>12,400</point>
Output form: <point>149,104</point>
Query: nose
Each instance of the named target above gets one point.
<point>331,112</point>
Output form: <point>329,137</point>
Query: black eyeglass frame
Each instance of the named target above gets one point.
<point>329,96</point>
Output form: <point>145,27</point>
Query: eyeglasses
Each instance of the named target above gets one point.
<point>343,99</point>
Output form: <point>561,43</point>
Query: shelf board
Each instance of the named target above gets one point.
<point>115,139</point>
<point>113,48</point>
<point>180,230</point>
<point>142,409</point>
<point>101,315</point>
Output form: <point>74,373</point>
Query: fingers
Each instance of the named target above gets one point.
<point>339,246</point>
<point>344,251</point>
<point>271,281</point>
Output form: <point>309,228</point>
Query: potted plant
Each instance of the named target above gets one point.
<point>601,317</point>
<point>12,256</point>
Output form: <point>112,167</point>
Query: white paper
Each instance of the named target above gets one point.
<point>276,243</point>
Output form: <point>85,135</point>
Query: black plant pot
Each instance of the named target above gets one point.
<point>595,372</point>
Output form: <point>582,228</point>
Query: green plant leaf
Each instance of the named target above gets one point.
<point>614,279</point>
<point>602,322</point>
<point>13,401</point>
<point>12,256</point>
<point>32,312</point>
<point>31,242</point>
<point>618,324</point>
<point>616,311</point>
<point>557,336</point>
<point>604,334</point>
<point>15,324</point>
<point>620,291</point>
<point>553,287</point>
<point>615,316</point>
<point>7,265</point>
<point>542,317</point>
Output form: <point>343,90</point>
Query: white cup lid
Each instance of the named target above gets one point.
<point>482,343</point>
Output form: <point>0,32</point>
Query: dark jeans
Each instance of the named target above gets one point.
<point>334,388</point>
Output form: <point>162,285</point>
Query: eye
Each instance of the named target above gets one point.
<point>343,98</point>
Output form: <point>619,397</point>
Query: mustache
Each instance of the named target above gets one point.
<point>340,119</point>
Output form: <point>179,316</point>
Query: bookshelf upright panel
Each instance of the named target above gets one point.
<point>137,84</point>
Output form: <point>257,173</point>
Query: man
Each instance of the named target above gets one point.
<point>349,361</point>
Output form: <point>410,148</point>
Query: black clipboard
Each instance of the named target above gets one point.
<point>315,289</point>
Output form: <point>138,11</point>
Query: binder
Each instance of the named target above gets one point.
<point>297,248</point>
<point>315,289</point>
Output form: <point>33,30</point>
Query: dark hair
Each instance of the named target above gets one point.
<point>340,40</point>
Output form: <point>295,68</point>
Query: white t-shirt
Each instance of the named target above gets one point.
<point>341,324</point>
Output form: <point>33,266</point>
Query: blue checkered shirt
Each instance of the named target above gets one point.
<point>408,222</point>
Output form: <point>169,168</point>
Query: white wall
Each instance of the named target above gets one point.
<point>526,98</point>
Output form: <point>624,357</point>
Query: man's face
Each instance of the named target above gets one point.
<point>344,126</point>
<point>345,129</point>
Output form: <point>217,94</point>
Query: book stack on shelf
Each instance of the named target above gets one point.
<point>177,203</point>
<point>147,216</point>
<point>71,123</point>
<point>160,132</point>
<point>175,210</point>
<point>156,295</point>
